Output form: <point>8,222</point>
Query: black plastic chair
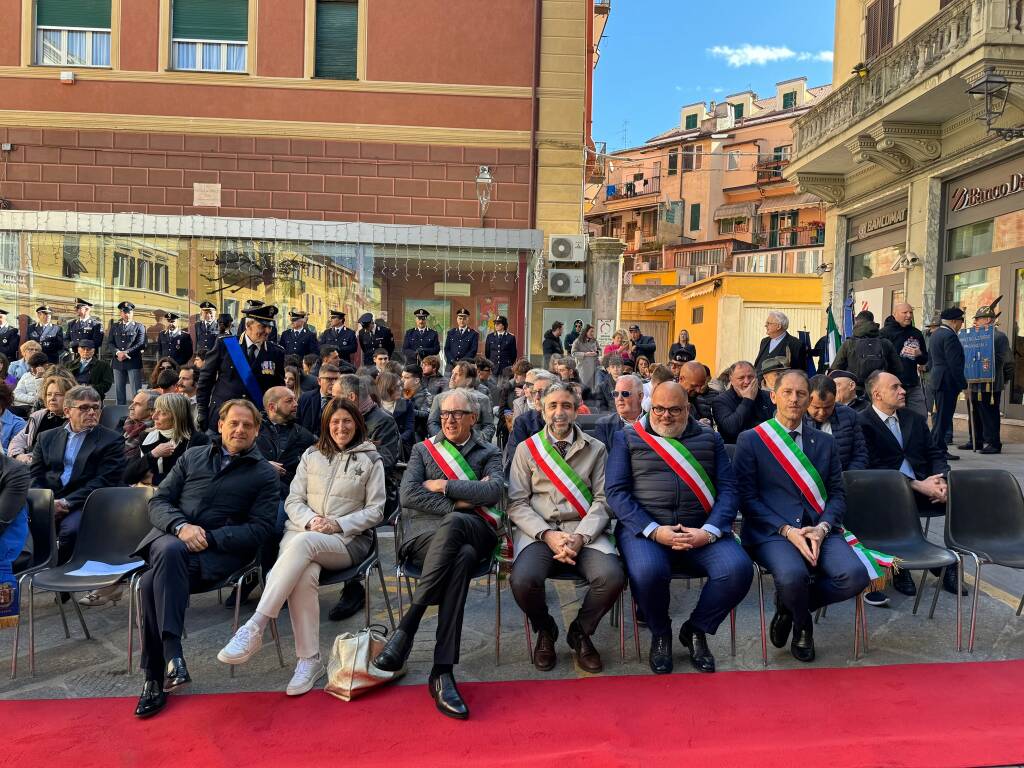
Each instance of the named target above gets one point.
<point>985,521</point>
<point>42,528</point>
<point>111,414</point>
<point>882,512</point>
<point>361,570</point>
<point>114,521</point>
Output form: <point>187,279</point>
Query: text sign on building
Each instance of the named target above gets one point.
<point>205,195</point>
<point>962,198</point>
<point>880,222</point>
<point>605,329</point>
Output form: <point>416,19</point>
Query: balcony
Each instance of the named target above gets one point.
<point>630,189</point>
<point>790,237</point>
<point>770,171</point>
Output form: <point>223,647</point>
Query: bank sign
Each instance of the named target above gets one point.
<point>962,198</point>
<point>879,222</point>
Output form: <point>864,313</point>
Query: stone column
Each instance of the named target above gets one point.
<point>604,284</point>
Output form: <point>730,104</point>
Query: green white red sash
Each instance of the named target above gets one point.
<point>683,463</point>
<point>795,462</point>
<point>558,471</point>
<point>455,467</point>
<point>875,563</point>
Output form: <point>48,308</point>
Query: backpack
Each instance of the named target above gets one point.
<point>866,356</point>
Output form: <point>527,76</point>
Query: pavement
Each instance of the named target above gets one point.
<point>77,667</point>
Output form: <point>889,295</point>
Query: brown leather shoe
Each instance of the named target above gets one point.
<point>544,656</point>
<point>586,654</point>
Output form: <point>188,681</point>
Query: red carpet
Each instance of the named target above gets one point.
<point>929,715</point>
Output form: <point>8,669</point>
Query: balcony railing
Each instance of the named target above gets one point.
<point>937,43</point>
<point>769,171</point>
<point>633,189</point>
<point>793,237</point>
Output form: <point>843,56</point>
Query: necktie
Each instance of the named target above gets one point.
<point>253,350</point>
<point>794,435</point>
<point>562,446</point>
<point>893,424</point>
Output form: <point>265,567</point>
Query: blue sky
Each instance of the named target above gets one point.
<point>658,55</point>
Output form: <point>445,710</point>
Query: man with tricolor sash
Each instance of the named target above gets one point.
<point>450,525</point>
<point>557,503</point>
<point>793,501</point>
<point>671,486</point>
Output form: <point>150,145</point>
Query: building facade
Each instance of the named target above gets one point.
<point>360,155</point>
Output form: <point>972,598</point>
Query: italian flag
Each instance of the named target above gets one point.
<point>834,338</point>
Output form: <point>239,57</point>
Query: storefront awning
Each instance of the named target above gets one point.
<point>735,211</point>
<point>790,203</point>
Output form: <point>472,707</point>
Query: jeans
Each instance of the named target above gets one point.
<point>916,400</point>
<point>130,379</point>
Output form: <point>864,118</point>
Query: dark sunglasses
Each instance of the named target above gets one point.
<point>622,394</point>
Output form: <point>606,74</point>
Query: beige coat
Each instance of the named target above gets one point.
<point>536,505</point>
<point>348,489</point>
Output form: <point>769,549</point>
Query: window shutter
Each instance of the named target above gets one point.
<point>337,32</point>
<point>881,17</point>
<point>789,100</point>
<point>92,14</point>
<point>694,217</point>
<point>737,111</point>
<point>691,122</point>
<point>210,20</point>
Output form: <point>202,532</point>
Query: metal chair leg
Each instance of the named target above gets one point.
<point>17,627</point>
<point>920,590</point>
<point>760,602</point>
<point>732,632</point>
<point>63,616</point>
<point>636,629</point>
<point>529,638</point>
<point>863,621</point>
<point>497,618</point>
<point>81,618</point>
<point>856,629</point>
<point>927,522</point>
<point>32,627</point>
<point>238,606</point>
<point>131,620</point>
<point>401,606</point>
<point>974,602</point>
<point>366,606</point>
<point>384,591</point>
<point>959,619</point>
<point>935,597</point>
<point>1019,607</point>
<point>273,622</point>
<point>817,614</point>
<point>622,631</point>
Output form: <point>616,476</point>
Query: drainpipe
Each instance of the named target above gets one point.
<point>534,155</point>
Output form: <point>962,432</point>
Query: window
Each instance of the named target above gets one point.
<point>807,261</point>
<point>690,123</point>
<point>209,35</point>
<point>73,33</point>
<point>72,263</point>
<point>732,161</point>
<point>697,315</point>
<point>9,261</point>
<point>879,28</point>
<point>729,226</point>
<point>337,32</point>
<point>783,153</point>
<point>970,290</point>
<point>693,158</point>
<point>789,99</point>
<point>694,217</point>
<point>673,162</point>
<point>737,112</point>
<point>970,240</point>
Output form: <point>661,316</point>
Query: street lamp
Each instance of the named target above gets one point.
<point>996,90</point>
<point>484,183</point>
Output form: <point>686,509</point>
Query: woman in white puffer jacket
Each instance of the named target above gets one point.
<point>337,496</point>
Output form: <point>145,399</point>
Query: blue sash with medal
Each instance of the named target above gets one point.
<point>241,362</point>
<point>12,541</point>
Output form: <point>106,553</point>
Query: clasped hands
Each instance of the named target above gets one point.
<point>933,487</point>
<point>320,524</point>
<point>807,540</point>
<point>679,537</point>
<point>565,546</point>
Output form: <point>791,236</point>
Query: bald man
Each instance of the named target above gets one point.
<point>909,344</point>
<point>693,377</point>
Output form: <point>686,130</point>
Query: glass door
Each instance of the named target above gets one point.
<point>1013,326</point>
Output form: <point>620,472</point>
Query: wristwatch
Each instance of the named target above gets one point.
<point>711,537</point>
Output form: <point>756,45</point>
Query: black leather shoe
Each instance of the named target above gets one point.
<point>446,696</point>
<point>802,646</point>
<point>966,446</point>
<point>544,655</point>
<point>395,652</point>
<point>949,581</point>
<point>952,456</point>
<point>988,450</point>
<point>351,602</point>
<point>661,655</point>
<point>903,582</point>
<point>586,654</point>
<point>696,643</point>
<point>152,700</point>
<point>782,623</point>
<point>177,675</point>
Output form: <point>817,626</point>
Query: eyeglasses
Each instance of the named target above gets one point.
<point>622,394</point>
<point>457,415</point>
<point>661,410</point>
<point>88,408</point>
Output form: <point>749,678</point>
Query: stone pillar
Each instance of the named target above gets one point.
<point>604,284</point>
<point>924,238</point>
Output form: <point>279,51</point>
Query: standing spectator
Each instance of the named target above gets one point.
<point>780,343</point>
<point>552,344</point>
<point>912,351</point>
<point>985,400</point>
<point>20,366</point>
<point>312,404</point>
<point>299,340</point>
<point>684,346</point>
<point>500,346</point>
<point>84,327</point>
<point>127,340</point>
<point>10,423</point>
<point>50,416</point>
<point>27,392</point>
<point>343,339</point>
<point>89,369</point>
<point>49,335</point>
<point>206,326</point>
<point>461,342</point>
<point>10,338</point>
<point>577,329</point>
<point>946,373</point>
<point>174,342</point>
<point>743,405</point>
<point>419,340</point>
<point>619,346</point>
<point>373,336</point>
<point>586,351</point>
<point>929,393</point>
<point>643,346</point>
<point>867,352</point>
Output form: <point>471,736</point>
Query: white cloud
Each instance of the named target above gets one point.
<point>717,90</point>
<point>748,55</point>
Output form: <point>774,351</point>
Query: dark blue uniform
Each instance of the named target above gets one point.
<point>220,382</point>
<point>206,334</point>
<point>130,338</point>
<point>501,350</point>
<point>418,344</point>
<point>50,338</point>
<point>460,345</point>
<point>10,340</point>
<point>301,342</point>
<point>342,338</point>
<point>177,347</point>
<point>272,338</point>
<point>90,328</point>
<point>380,338</point>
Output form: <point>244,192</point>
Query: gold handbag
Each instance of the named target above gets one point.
<point>350,670</point>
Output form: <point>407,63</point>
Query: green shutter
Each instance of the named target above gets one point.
<point>337,33</point>
<point>691,122</point>
<point>694,217</point>
<point>92,14</point>
<point>737,111</point>
<point>789,100</point>
<point>210,20</point>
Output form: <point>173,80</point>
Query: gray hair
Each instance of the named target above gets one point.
<point>562,387</point>
<point>780,318</point>
<point>351,384</point>
<point>635,382</point>
<point>535,372</point>
<point>152,396</point>
<point>180,409</point>
<point>461,392</point>
<point>568,362</point>
<point>545,376</point>
<point>81,393</point>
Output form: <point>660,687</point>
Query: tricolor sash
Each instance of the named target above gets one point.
<point>681,461</point>
<point>455,467</point>
<point>558,471</point>
<point>795,463</point>
<point>234,348</point>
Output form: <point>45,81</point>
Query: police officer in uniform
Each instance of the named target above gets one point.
<point>337,335</point>
<point>206,326</point>
<point>174,343</point>
<point>372,337</point>
<point>461,342</point>
<point>10,339</point>
<point>84,327</point>
<point>985,397</point>
<point>219,380</point>
<point>49,335</point>
<point>500,346</point>
<point>420,341</point>
<point>127,340</point>
<point>299,340</point>
<point>256,304</point>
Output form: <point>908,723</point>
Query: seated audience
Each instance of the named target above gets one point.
<point>10,423</point>
<point>418,398</point>
<point>693,378</point>
<point>312,403</point>
<point>174,432</point>
<point>432,381</point>
<point>389,390</point>
<point>89,369</point>
<point>16,544</point>
<point>846,391</point>
<point>743,405</point>
<point>463,376</point>
<point>20,367</point>
<point>627,398</point>
<point>292,380</point>
<point>163,364</point>
<point>840,421</point>
<point>138,421</point>
<point>532,421</point>
<point>29,389</point>
<point>50,416</point>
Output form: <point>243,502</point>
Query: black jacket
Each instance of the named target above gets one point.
<point>460,345</point>
<point>302,342</point>
<point>98,374</point>
<point>854,351</point>
<point>552,345</point>
<point>161,469</point>
<point>220,382</point>
<point>90,328</point>
<point>946,360</point>
<point>525,426</point>
<point>903,341</point>
<point>789,348</point>
<point>405,419</point>
<point>235,504</point>
<point>206,334</point>
<point>418,344</point>
<point>130,338</point>
<point>178,348</point>
<point>345,340</point>
<point>10,341</point>
<point>849,438</point>
<point>382,431</point>
<point>607,427</point>
<point>502,351</point>
<point>370,341</point>
<point>50,338</point>
<point>645,347</point>
<point>687,349</point>
<point>734,414</point>
<point>926,457</point>
<point>285,444</point>
<point>310,411</point>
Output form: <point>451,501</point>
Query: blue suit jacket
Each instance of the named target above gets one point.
<point>606,427</point>
<point>526,425</point>
<point>769,499</point>
<point>310,411</point>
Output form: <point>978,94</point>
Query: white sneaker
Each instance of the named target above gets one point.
<point>242,646</point>
<point>307,673</point>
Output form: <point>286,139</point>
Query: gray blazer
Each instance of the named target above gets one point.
<point>423,510</point>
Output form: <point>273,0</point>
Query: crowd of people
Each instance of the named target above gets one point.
<point>604,464</point>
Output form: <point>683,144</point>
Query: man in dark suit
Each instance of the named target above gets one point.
<point>643,346</point>
<point>49,335</point>
<point>210,516</point>
<point>840,421</point>
<point>173,342</point>
<point>373,336</point>
<point>743,405</point>
<point>127,340</point>
<point>84,327</point>
<point>299,340</point>
<point>985,398</point>
<point>780,343</point>
<point>500,346</point>
<point>220,380</point>
<point>206,326</point>
<point>627,396</point>
<point>461,342</point>
<point>312,404</point>
<point>420,341</point>
<point>89,369</point>
<point>793,519</point>
<point>946,373</point>
<point>10,338</point>
<point>341,338</point>
<point>76,459</point>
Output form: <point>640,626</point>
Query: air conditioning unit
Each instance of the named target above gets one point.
<point>568,248</point>
<point>566,282</point>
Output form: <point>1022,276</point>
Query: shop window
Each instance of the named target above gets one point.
<point>972,289</point>
<point>970,240</point>
<point>73,33</point>
<point>337,35</point>
<point>697,315</point>
<point>209,35</point>
<point>875,263</point>
<point>673,162</point>
<point>690,123</point>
